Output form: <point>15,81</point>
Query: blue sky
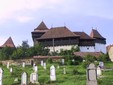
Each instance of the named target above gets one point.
<point>18,18</point>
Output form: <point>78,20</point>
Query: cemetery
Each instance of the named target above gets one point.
<point>57,73</point>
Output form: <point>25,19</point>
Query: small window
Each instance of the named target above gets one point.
<point>87,48</point>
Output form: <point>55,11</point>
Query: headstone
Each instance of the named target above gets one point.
<point>101,64</point>
<point>36,69</point>
<point>64,70</point>
<point>42,63</point>
<point>73,60</point>
<point>11,70</point>
<point>63,61</point>
<point>34,77</point>
<point>52,73</point>
<point>24,79</point>
<point>8,65</point>
<point>23,64</point>
<point>91,75</point>
<point>1,76</point>
<point>99,72</point>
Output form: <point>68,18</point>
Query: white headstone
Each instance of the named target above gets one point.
<point>63,61</point>
<point>99,72</point>
<point>24,78</point>
<point>73,60</point>
<point>11,70</point>
<point>42,63</point>
<point>52,73</point>
<point>35,68</point>
<point>34,77</point>
<point>23,64</point>
<point>64,70</point>
<point>16,79</point>
<point>84,60</point>
<point>1,76</point>
<point>101,64</point>
<point>8,65</point>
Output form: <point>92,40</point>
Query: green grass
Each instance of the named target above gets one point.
<point>75,75</point>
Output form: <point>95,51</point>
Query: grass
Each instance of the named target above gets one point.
<point>75,75</point>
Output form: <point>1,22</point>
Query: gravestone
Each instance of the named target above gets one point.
<point>42,63</point>
<point>83,60</point>
<point>36,69</point>
<point>1,76</point>
<point>11,70</point>
<point>8,65</point>
<point>52,73</point>
<point>91,75</point>
<point>63,61</point>
<point>24,79</point>
<point>34,77</point>
<point>99,72</point>
<point>73,60</point>
<point>101,64</point>
<point>64,70</point>
<point>23,64</point>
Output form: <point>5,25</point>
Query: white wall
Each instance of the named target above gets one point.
<point>100,47</point>
<point>87,48</point>
<point>58,48</point>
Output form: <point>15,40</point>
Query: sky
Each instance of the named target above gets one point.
<point>18,18</point>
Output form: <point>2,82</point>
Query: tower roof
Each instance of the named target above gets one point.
<point>41,26</point>
<point>58,32</point>
<point>9,43</point>
<point>83,35</point>
<point>95,34</point>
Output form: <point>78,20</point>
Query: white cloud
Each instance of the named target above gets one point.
<point>23,19</point>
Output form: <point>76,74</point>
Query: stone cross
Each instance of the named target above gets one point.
<point>23,64</point>
<point>52,73</point>
<point>1,76</point>
<point>99,72</point>
<point>24,79</point>
<point>8,65</point>
<point>42,63</point>
<point>34,77</point>
<point>91,75</point>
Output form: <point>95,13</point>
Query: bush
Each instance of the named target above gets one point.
<point>75,71</point>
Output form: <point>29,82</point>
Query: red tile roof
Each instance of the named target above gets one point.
<point>9,43</point>
<point>83,35</point>
<point>46,57</point>
<point>41,26</point>
<point>58,32</point>
<point>96,34</point>
<point>83,54</point>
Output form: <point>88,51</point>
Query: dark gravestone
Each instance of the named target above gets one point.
<point>91,75</point>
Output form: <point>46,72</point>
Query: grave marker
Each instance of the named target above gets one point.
<point>52,73</point>
<point>23,64</point>
<point>42,62</point>
<point>24,79</point>
<point>8,65</point>
<point>34,77</point>
<point>91,75</point>
<point>44,66</point>
<point>11,70</point>
<point>99,72</point>
<point>1,76</point>
<point>63,61</point>
<point>101,64</point>
<point>64,70</point>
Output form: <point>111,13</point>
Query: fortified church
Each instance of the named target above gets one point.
<point>57,38</point>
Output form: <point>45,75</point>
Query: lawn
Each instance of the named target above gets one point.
<point>75,75</point>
